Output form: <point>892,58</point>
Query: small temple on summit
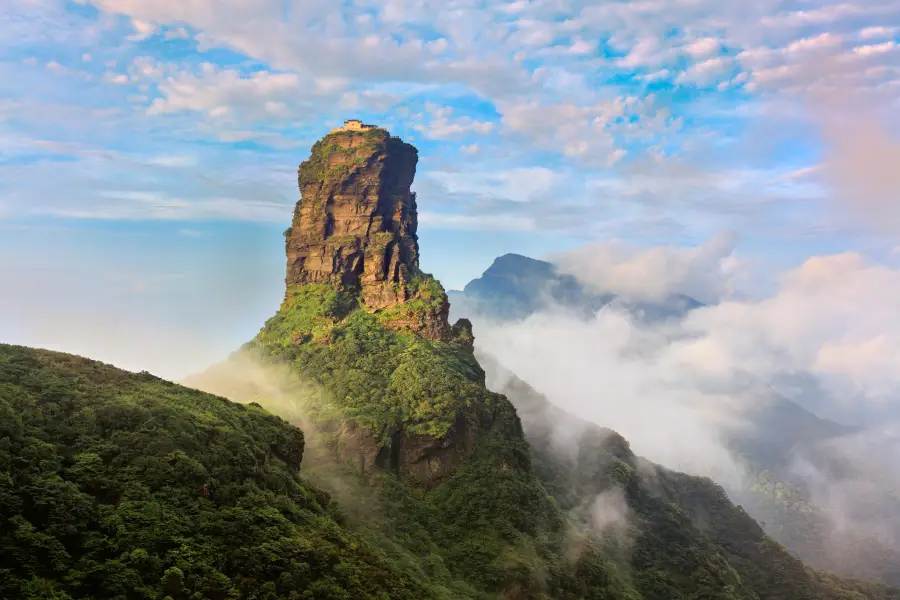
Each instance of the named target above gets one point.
<point>354,125</point>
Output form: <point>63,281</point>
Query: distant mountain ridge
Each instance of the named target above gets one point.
<point>516,286</point>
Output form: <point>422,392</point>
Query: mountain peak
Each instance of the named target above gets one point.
<point>518,260</point>
<point>355,224</point>
<point>355,229</point>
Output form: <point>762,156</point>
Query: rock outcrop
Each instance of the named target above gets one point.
<point>419,458</point>
<point>369,394</point>
<point>355,227</point>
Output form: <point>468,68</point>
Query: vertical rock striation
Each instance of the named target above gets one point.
<point>383,399</point>
<point>355,227</point>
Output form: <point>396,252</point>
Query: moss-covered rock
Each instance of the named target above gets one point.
<point>421,401</point>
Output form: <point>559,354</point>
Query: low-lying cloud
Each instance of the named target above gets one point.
<point>653,274</point>
<point>681,390</point>
<point>608,371</point>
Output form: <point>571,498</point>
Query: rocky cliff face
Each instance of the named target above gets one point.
<point>415,405</point>
<point>355,227</point>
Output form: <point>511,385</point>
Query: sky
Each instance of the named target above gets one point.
<point>148,148</point>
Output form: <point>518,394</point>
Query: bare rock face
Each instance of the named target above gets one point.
<point>355,224</point>
<point>418,458</point>
<point>354,228</point>
<point>356,220</point>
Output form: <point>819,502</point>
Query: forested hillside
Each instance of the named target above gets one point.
<point>122,485</point>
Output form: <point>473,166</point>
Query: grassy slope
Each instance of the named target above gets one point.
<point>491,522</point>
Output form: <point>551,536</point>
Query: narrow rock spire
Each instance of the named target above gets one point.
<point>355,228</point>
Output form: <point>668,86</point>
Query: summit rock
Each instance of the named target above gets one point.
<point>355,228</point>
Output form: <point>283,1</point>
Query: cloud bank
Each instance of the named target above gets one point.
<point>682,390</point>
<point>656,273</point>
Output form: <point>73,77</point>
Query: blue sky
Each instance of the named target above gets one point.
<point>148,148</point>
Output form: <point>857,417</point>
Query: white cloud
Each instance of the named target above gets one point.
<point>803,173</point>
<point>267,138</point>
<point>534,33</point>
<point>143,206</point>
<point>653,274</point>
<point>172,160</point>
<point>142,29</point>
<point>832,317</point>
<point>438,220</point>
<point>873,49</point>
<point>229,94</point>
<point>815,16</point>
<point>116,78</point>
<point>319,42</point>
<point>442,125</point>
<point>644,52</point>
<point>585,133</point>
<point>530,55</point>
<point>607,372</point>
<point>178,33</point>
<point>147,68</point>
<point>656,76</point>
<point>703,47</point>
<point>706,72</point>
<point>877,32</point>
<point>824,41</point>
<point>520,184</point>
<point>582,46</point>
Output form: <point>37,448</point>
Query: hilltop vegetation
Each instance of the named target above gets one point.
<point>121,485</point>
<point>378,378</point>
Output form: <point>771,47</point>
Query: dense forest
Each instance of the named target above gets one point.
<point>116,485</point>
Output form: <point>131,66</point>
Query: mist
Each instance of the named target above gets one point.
<point>682,390</point>
<point>609,371</point>
<point>243,377</point>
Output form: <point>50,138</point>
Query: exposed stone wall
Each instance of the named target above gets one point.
<point>355,226</point>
